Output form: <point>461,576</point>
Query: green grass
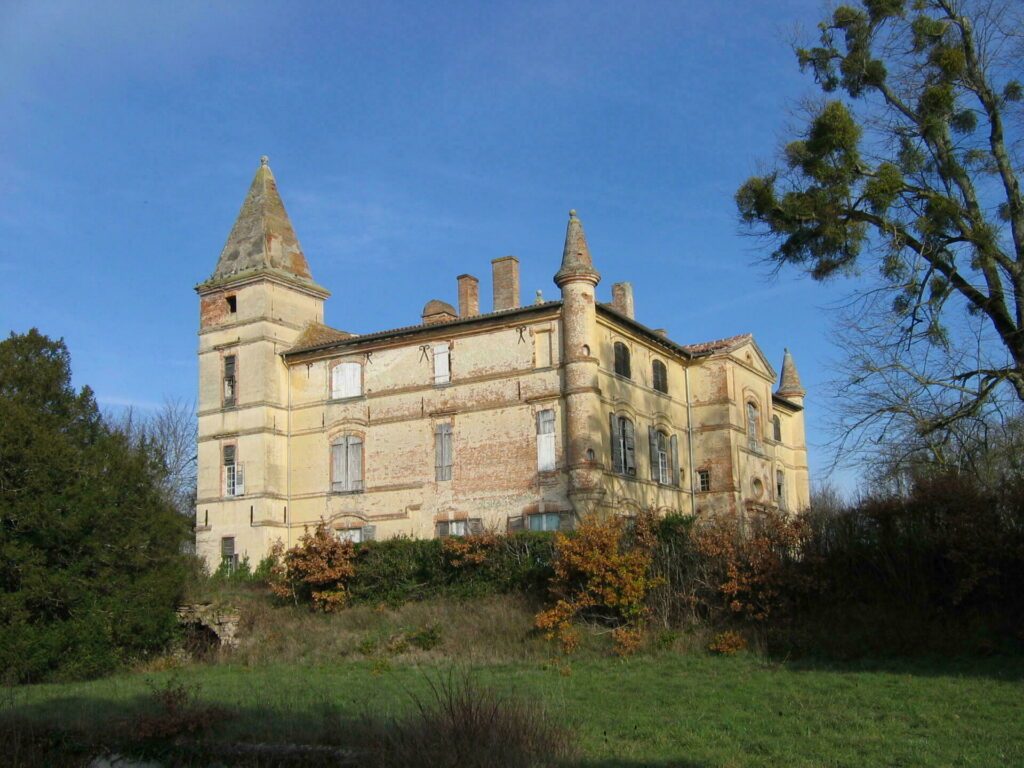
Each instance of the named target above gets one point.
<point>661,709</point>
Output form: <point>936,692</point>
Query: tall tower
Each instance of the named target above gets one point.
<point>253,307</point>
<point>577,279</point>
<point>792,390</point>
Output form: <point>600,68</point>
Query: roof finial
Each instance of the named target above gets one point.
<point>572,213</point>
<point>264,160</point>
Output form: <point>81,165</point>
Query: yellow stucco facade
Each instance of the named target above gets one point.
<point>523,417</point>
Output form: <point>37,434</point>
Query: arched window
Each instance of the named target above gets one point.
<point>664,457</point>
<point>777,429</point>
<point>660,376</point>
<point>623,446</point>
<point>622,360</point>
<point>347,464</point>
<point>753,438</point>
<point>780,488</point>
<point>346,380</point>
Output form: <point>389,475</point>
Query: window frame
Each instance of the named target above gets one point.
<point>444,448</point>
<point>704,480</point>
<point>656,366</point>
<point>545,520</point>
<point>753,423</point>
<point>546,441</point>
<point>621,363</point>
<point>350,484</point>
<point>623,445</point>
<point>777,428</point>
<point>231,560</point>
<point>229,381</point>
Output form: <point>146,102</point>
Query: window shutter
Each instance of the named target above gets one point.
<point>652,438</point>
<point>674,446</point>
<point>336,381</point>
<point>516,524</point>
<point>616,444</point>
<point>441,529</point>
<point>476,526</point>
<point>239,480</point>
<point>353,386</point>
<point>355,464</point>
<point>438,453</point>
<point>442,364</point>
<point>546,441</point>
<point>229,455</point>
<point>369,532</point>
<point>565,521</point>
<point>338,467</point>
<point>629,447</point>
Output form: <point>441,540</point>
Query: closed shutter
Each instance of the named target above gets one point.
<point>516,524</point>
<point>476,526</point>
<point>369,532</point>
<point>352,385</point>
<point>674,446</point>
<point>338,479</point>
<point>565,521</point>
<point>628,447</point>
<point>355,464</point>
<point>442,364</point>
<point>652,439</point>
<point>546,441</point>
<point>337,378</point>
<point>443,452</point>
<point>441,529</point>
<point>616,444</point>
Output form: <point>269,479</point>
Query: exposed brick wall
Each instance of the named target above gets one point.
<point>505,277</point>
<point>469,296</point>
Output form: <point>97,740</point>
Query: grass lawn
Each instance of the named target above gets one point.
<point>660,709</point>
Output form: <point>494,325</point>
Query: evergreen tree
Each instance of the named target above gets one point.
<point>91,562</point>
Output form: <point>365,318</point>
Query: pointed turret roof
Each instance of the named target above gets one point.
<point>263,238</point>
<point>789,383</point>
<point>576,261</point>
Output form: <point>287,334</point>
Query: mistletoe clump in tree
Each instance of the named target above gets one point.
<point>911,162</point>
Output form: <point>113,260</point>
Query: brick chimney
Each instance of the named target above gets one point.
<point>622,299</point>
<point>469,296</point>
<point>505,277</point>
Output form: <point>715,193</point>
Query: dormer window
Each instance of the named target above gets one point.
<point>232,304</point>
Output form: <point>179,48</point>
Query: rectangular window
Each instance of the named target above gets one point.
<point>546,521</point>
<point>546,440</point>
<point>347,464</point>
<point>443,452</point>
<point>234,476</point>
<point>232,304</point>
<point>660,465</point>
<point>623,446</point>
<point>229,381</point>
<point>355,535</point>
<point>228,556</point>
<point>442,364</point>
<point>704,479</point>
<point>346,380</point>
<point>452,528</point>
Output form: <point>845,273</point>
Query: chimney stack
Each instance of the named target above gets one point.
<point>469,296</point>
<point>622,299</point>
<point>505,277</point>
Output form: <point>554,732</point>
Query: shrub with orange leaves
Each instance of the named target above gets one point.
<point>743,563</point>
<point>469,551</point>
<point>317,570</point>
<point>727,643</point>
<point>602,574</point>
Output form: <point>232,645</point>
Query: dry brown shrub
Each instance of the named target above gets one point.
<point>317,569</point>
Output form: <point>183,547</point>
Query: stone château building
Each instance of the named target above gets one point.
<point>521,417</point>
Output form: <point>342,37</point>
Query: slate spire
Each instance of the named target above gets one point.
<point>263,238</point>
<point>576,261</point>
<point>789,383</point>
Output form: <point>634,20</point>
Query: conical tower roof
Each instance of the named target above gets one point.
<point>576,261</point>
<point>263,238</point>
<point>789,383</point>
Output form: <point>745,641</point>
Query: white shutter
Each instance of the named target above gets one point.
<point>338,467</point>
<point>442,370</point>
<point>336,381</point>
<point>239,480</point>
<point>352,385</point>
<point>355,464</point>
<point>546,441</point>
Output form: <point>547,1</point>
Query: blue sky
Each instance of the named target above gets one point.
<point>411,142</point>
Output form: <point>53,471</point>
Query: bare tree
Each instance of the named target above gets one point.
<point>173,431</point>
